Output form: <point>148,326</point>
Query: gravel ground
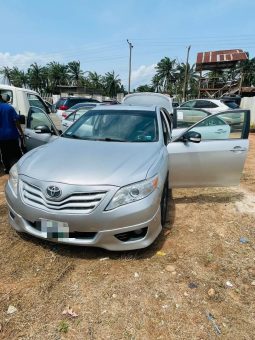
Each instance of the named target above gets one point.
<point>197,281</point>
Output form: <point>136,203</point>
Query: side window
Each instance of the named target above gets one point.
<point>35,100</point>
<point>165,128</point>
<point>205,104</point>
<point>190,104</point>
<point>10,94</point>
<point>37,117</point>
<point>230,125</point>
<point>187,118</point>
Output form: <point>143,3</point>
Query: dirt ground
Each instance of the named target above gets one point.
<point>197,281</point>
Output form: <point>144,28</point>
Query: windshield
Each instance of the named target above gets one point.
<point>115,125</point>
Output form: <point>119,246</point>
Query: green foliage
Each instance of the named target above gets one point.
<point>63,327</point>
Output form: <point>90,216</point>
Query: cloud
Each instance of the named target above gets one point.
<point>24,60</point>
<point>142,75</point>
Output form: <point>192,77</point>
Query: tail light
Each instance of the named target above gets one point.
<point>63,107</point>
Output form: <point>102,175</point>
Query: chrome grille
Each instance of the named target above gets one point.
<point>75,202</point>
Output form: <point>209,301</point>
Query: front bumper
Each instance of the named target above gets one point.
<point>105,225</point>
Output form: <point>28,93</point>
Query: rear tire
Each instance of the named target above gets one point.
<point>164,204</point>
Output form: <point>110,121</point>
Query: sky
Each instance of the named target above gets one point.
<point>95,32</point>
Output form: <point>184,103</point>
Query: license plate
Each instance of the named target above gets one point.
<point>54,229</point>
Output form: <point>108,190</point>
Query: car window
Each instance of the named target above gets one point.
<point>9,92</point>
<point>190,103</point>
<point>231,105</point>
<point>204,104</point>
<point>107,125</point>
<point>223,126</point>
<point>37,117</point>
<point>35,100</point>
<point>188,117</point>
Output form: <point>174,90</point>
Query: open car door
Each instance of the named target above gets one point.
<point>39,129</point>
<point>212,152</point>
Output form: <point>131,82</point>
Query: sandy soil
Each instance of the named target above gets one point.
<point>195,281</point>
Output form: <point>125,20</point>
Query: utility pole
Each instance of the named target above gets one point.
<point>130,57</point>
<point>186,75</point>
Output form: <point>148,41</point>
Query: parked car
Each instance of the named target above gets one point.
<point>76,114</point>
<point>65,103</point>
<point>211,105</point>
<point>79,105</point>
<point>113,191</point>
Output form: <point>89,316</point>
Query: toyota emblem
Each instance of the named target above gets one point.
<point>53,191</point>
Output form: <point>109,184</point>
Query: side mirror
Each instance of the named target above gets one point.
<point>42,129</point>
<point>192,136</point>
<point>22,119</point>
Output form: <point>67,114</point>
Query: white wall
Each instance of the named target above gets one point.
<point>248,103</point>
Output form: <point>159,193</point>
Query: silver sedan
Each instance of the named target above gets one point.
<point>105,181</point>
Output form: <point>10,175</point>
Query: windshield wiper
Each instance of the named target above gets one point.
<point>71,136</point>
<point>107,139</point>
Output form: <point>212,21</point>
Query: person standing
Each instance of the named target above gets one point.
<point>10,134</point>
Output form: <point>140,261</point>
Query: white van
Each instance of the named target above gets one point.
<point>22,99</point>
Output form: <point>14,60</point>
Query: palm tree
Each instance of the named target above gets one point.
<point>192,80</point>
<point>75,73</point>
<point>95,81</point>
<point>246,69</point>
<point>112,83</point>
<point>57,75</point>
<point>17,77</point>
<point>156,83</point>
<point>37,77</point>
<point>167,73</point>
<point>5,71</point>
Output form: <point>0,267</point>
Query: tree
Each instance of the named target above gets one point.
<point>38,77</point>
<point>95,81</point>
<point>57,75</point>
<point>5,71</point>
<point>18,77</point>
<point>192,80</point>
<point>112,84</point>
<point>167,74</point>
<point>145,88</point>
<point>75,73</point>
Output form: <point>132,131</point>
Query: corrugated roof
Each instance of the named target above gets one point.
<point>219,59</point>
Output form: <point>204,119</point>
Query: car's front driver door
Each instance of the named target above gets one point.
<point>38,118</point>
<point>218,159</point>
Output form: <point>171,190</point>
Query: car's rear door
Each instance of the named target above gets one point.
<point>219,158</point>
<point>37,117</point>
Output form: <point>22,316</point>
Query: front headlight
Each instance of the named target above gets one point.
<point>133,192</point>
<point>13,178</point>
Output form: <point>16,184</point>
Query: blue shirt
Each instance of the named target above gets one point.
<point>8,118</point>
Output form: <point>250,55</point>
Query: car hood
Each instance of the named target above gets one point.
<point>82,162</point>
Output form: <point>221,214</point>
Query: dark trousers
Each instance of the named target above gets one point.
<point>10,153</point>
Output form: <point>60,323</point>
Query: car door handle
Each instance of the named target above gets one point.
<point>27,137</point>
<point>238,149</point>
<point>220,131</point>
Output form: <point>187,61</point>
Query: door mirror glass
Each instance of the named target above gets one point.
<point>192,136</point>
<point>42,129</point>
